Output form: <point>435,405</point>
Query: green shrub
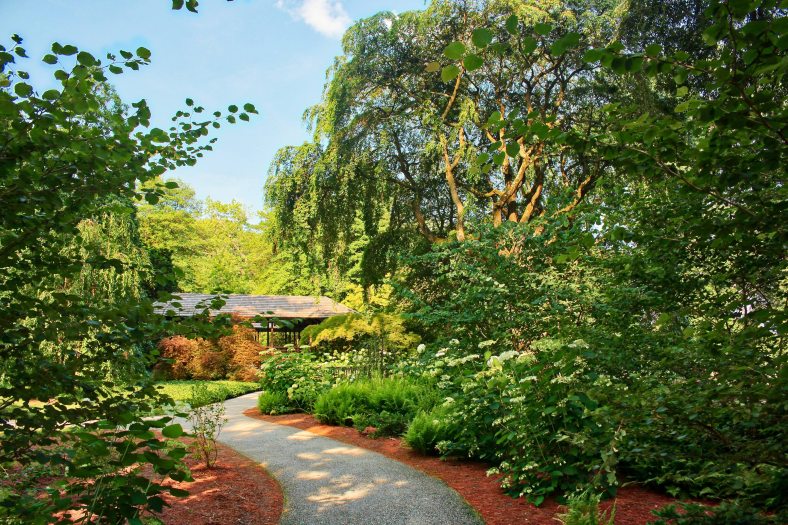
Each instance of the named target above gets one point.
<point>273,403</point>
<point>299,376</point>
<point>386,404</point>
<point>382,337</point>
<point>429,428</point>
<point>727,513</point>
<point>531,415</point>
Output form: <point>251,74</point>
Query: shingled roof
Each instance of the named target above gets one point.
<point>281,306</point>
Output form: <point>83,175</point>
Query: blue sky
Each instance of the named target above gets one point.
<point>273,53</point>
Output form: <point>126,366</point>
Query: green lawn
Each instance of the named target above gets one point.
<point>180,391</point>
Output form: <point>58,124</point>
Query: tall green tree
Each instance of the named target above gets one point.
<point>73,440</point>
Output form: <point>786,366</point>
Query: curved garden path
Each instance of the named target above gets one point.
<point>329,482</point>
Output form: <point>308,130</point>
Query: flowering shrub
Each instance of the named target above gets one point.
<point>376,341</point>
<point>530,414</point>
<point>297,375</point>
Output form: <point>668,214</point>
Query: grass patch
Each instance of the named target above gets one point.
<point>181,391</point>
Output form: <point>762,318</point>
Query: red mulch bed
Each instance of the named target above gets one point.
<point>470,480</point>
<point>237,491</point>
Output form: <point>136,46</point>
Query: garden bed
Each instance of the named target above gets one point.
<point>470,480</point>
<point>236,490</point>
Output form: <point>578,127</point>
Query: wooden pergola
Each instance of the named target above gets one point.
<point>280,317</point>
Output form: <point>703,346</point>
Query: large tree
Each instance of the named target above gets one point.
<point>413,123</point>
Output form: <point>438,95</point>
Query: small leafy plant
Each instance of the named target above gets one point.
<point>207,421</point>
<point>583,509</point>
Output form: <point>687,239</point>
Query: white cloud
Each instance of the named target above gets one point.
<point>327,17</point>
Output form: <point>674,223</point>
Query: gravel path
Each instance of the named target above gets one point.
<point>329,482</point>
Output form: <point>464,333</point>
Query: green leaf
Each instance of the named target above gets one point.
<point>593,55</point>
<point>540,129</point>
<point>189,102</point>
<point>563,44</point>
<point>143,53</point>
<point>172,431</point>
<point>68,50</point>
<point>512,24</point>
<point>177,4</point>
<point>50,59</point>
<point>432,67</point>
<point>23,90</point>
<point>50,94</point>
<point>232,108</point>
<point>244,117</point>
<point>513,149</point>
<point>86,59</point>
<point>249,108</point>
<point>543,28</point>
<point>529,45</point>
<point>472,62</point>
<point>171,184</point>
<point>482,37</point>
<point>449,73</point>
<point>454,51</point>
<point>653,50</point>
<point>178,493</point>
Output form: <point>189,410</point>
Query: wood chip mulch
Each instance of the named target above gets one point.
<point>470,480</point>
<point>237,491</point>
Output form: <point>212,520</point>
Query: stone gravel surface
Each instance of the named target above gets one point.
<point>329,482</point>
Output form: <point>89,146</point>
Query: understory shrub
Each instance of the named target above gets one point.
<point>533,417</point>
<point>273,403</point>
<point>297,376</point>
<point>388,404</point>
<point>176,353</point>
<point>574,364</point>
<point>429,428</point>
<point>377,339</point>
<point>726,513</point>
<point>235,356</point>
